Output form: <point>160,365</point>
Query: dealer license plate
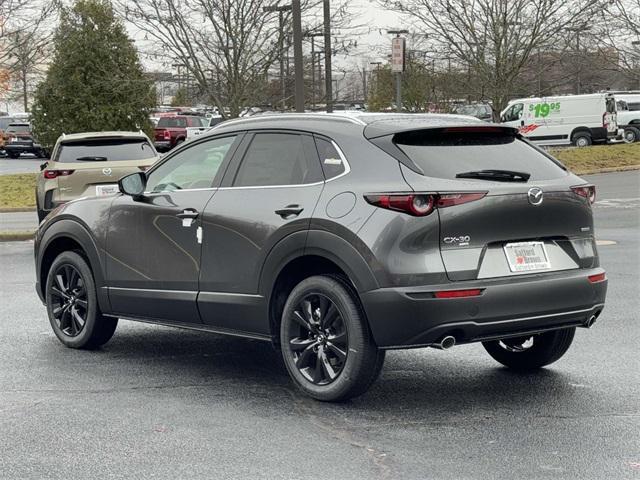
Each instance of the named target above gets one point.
<point>110,189</point>
<point>527,256</point>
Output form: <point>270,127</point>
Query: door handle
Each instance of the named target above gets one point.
<point>188,213</point>
<point>290,211</point>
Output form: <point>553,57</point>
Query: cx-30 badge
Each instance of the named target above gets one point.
<point>535,196</point>
<point>106,171</point>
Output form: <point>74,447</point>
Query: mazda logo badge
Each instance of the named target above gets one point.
<point>535,196</point>
<point>106,171</point>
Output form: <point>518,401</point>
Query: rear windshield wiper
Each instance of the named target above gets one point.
<point>91,159</point>
<point>496,175</point>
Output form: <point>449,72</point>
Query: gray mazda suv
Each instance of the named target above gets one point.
<point>336,238</point>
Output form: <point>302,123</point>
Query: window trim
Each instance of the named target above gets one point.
<point>295,185</point>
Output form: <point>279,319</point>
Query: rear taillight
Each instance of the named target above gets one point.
<point>605,120</point>
<point>473,292</point>
<point>166,135</point>
<point>51,174</point>
<point>599,277</point>
<point>586,191</point>
<point>420,204</point>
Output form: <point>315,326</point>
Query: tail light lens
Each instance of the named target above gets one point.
<point>420,204</point>
<point>474,292</point>
<point>51,174</point>
<point>166,135</point>
<point>599,277</point>
<point>586,191</point>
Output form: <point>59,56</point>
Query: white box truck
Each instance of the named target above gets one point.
<point>628,104</point>
<point>579,120</point>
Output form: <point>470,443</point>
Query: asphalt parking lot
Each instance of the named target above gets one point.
<point>163,403</point>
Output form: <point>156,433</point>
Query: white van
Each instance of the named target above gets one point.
<point>579,120</point>
<point>628,104</point>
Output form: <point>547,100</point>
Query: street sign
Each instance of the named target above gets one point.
<point>397,54</point>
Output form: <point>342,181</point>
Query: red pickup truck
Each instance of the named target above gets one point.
<point>171,130</point>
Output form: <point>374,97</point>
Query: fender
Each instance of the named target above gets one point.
<point>323,244</point>
<point>71,228</point>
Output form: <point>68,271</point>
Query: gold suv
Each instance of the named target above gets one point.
<point>90,164</point>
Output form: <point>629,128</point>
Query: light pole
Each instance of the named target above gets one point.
<point>397,63</point>
<point>313,66</point>
<point>280,9</point>
<point>327,55</point>
<point>577,31</point>
<point>636,62</point>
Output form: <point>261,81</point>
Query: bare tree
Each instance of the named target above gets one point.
<point>494,39</point>
<point>227,46</point>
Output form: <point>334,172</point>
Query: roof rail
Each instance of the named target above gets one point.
<point>292,116</point>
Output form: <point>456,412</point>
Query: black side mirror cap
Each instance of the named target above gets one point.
<point>43,166</point>
<point>133,185</point>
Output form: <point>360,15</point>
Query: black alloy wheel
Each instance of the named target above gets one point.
<point>69,300</point>
<point>318,339</point>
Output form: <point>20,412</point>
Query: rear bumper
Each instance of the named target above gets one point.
<point>162,146</point>
<point>413,317</point>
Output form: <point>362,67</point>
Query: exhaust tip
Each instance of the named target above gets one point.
<point>446,342</point>
<point>591,321</point>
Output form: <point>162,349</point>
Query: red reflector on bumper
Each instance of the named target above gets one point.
<point>458,293</point>
<point>600,277</point>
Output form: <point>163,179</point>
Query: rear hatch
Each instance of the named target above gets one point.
<point>524,217</point>
<point>92,167</point>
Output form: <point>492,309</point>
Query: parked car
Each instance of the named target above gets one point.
<point>629,115</point>
<point>481,111</point>
<point>90,164</point>
<point>337,238</point>
<point>578,120</point>
<point>19,139</point>
<point>171,130</point>
<point>213,120</point>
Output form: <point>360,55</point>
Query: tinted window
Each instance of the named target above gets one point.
<point>276,159</point>
<point>332,164</point>
<point>19,128</point>
<point>172,122</point>
<point>443,155</point>
<point>105,150</point>
<point>195,167</point>
<point>611,105</point>
<point>514,113</point>
<point>634,107</point>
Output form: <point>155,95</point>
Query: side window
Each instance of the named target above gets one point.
<point>330,159</point>
<point>195,167</point>
<point>513,113</point>
<point>276,159</point>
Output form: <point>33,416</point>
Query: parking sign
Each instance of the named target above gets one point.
<point>397,54</point>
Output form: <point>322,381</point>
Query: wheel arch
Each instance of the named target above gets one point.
<point>66,235</point>
<point>577,130</point>
<point>296,258</point>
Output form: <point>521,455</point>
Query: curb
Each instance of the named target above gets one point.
<point>17,209</point>
<point>594,171</point>
<point>17,236</point>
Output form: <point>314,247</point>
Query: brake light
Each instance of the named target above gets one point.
<point>605,120</point>
<point>51,174</point>
<point>586,191</point>
<point>420,204</point>
<point>599,277</point>
<point>166,135</point>
<point>473,292</point>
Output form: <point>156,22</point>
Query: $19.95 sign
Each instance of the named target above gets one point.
<point>544,109</point>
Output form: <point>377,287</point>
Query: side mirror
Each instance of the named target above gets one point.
<point>43,166</point>
<point>133,185</point>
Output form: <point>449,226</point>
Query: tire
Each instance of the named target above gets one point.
<point>546,348</point>
<point>95,329</point>
<point>631,134</point>
<point>581,140</point>
<point>13,155</point>
<point>310,354</point>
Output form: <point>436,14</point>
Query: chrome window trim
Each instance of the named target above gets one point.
<point>180,190</point>
<point>294,116</point>
<point>347,169</point>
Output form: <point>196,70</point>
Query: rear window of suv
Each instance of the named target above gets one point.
<point>105,150</point>
<point>443,154</point>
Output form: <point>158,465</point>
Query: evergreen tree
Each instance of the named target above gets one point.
<point>95,81</point>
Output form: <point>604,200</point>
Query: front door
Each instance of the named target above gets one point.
<point>154,243</point>
<point>272,187</point>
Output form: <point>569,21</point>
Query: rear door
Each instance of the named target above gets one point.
<point>482,238</point>
<point>268,193</point>
<point>94,166</point>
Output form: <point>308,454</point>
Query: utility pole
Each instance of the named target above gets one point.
<point>327,56</point>
<point>397,62</point>
<point>313,66</point>
<point>297,54</point>
<point>283,83</point>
